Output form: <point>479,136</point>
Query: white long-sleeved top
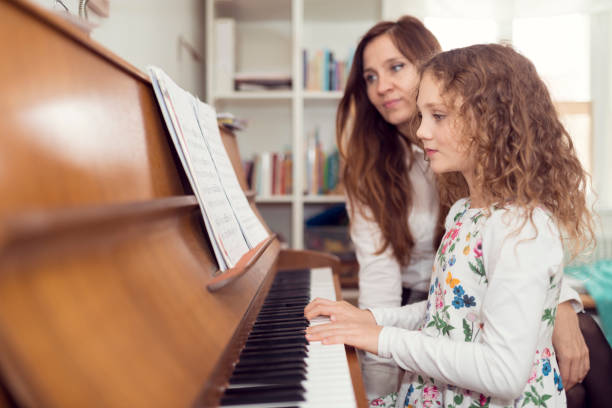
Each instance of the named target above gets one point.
<point>485,332</point>
<point>381,277</point>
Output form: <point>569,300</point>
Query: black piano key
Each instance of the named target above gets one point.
<point>262,395</point>
<point>274,379</point>
<point>280,340</point>
<point>275,341</point>
<point>279,335</point>
<point>285,304</point>
<point>270,367</point>
<point>293,374</point>
<point>298,328</point>
<point>250,361</point>
<point>282,307</point>
<point>289,294</point>
<point>275,351</point>
<point>262,327</point>
<point>279,332</point>
<point>281,318</point>
<point>261,355</point>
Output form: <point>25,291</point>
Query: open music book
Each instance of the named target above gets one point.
<point>232,226</point>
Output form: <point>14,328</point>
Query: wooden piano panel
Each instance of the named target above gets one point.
<point>103,258</point>
<point>125,320</point>
<point>91,128</point>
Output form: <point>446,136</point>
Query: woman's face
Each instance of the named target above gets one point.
<point>391,82</point>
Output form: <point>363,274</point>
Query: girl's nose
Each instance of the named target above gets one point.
<point>420,133</point>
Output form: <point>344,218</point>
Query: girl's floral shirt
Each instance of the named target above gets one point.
<point>454,311</point>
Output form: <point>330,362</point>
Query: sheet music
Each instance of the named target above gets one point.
<point>226,236</point>
<point>252,229</point>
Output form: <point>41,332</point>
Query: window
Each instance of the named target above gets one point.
<point>461,32</point>
<point>559,47</point>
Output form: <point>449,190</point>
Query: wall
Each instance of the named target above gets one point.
<point>147,33</point>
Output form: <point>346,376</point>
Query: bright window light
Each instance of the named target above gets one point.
<point>461,32</point>
<point>559,47</point>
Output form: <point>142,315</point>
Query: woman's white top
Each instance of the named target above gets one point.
<point>485,332</point>
<point>381,277</point>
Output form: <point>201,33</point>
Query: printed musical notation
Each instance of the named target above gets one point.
<point>232,226</point>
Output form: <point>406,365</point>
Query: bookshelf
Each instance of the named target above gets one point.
<point>269,37</point>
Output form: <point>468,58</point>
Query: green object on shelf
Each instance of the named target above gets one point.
<point>597,279</point>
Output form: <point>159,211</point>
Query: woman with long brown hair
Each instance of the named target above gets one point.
<point>391,192</point>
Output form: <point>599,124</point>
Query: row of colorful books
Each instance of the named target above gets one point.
<point>322,71</point>
<point>271,173</point>
<point>322,169</point>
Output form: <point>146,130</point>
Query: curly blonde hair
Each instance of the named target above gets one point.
<point>524,154</point>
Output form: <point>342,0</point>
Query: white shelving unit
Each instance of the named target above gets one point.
<point>269,37</point>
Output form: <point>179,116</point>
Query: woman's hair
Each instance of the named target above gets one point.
<point>524,155</point>
<point>375,166</point>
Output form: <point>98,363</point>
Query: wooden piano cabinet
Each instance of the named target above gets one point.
<point>104,259</point>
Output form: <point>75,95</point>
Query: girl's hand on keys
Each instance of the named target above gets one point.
<point>363,336</point>
<point>342,312</point>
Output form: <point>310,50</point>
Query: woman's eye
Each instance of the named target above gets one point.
<point>397,67</point>
<point>369,78</point>
<point>420,115</point>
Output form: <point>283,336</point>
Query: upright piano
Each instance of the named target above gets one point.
<point>104,260</point>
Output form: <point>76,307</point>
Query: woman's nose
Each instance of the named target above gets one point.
<point>384,84</point>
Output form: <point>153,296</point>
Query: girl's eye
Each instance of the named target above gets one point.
<point>397,67</point>
<point>420,115</point>
<point>438,116</point>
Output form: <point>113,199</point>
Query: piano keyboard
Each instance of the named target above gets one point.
<point>277,367</point>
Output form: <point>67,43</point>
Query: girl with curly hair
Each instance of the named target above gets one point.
<point>395,215</point>
<point>516,190</point>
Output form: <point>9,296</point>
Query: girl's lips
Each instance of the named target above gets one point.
<point>430,152</point>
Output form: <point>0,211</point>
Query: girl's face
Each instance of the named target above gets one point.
<point>441,132</point>
<point>391,82</point>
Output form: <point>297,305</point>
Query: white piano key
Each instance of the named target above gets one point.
<point>328,383</point>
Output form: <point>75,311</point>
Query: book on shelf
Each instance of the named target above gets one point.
<point>232,226</point>
<point>322,169</point>
<point>323,71</point>
<point>272,173</point>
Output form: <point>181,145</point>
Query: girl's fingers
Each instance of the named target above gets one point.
<point>363,336</point>
<point>320,307</point>
<point>316,303</point>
